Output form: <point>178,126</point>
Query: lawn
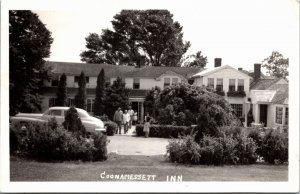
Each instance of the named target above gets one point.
<point>153,167</point>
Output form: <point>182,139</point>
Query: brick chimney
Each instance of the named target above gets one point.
<point>257,72</point>
<point>141,61</point>
<point>240,69</point>
<point>218,62</point>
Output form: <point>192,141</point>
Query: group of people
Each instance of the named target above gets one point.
<point>127,119</point>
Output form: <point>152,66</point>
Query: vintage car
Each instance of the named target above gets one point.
<point>90,123</point>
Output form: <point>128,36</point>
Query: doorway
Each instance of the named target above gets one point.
<point>263,116</point>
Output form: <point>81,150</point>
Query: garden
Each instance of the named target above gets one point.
<point>201,128</point>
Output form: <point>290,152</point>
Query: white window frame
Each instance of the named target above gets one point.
<point>282,115</point>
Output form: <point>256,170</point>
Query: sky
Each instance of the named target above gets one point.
<point>240,32</point>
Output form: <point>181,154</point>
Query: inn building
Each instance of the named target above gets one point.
<point>267,96</point>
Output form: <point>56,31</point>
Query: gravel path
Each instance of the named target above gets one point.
<point>129,144</point>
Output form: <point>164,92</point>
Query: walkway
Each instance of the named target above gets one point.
<point>129,144</point>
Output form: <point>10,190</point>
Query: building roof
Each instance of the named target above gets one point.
<point>251,74</point>
<point>89,69</point>
<point>280,85</point>
<point>215,69</point>
<point>93,70</point>
<point>155,72</point>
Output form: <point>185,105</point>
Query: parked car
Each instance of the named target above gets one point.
<point>90,123</point>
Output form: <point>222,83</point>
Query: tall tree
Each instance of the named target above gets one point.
<point>116,96</point>
<point>152,35</point>
<point>198,60</point>
<point>80,98</point>
<point>99,100</point>
<point>61,93</point>
<point>29,44</point>
<point>276,65</point>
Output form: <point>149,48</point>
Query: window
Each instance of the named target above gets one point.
<point>55,81</point>
<point>240,85</point>
<point>90,105</point>
<point>237,109</point>
<point>70,102</point>
<point>136,83</point>
<point>51,102</point>
<point>219,86</point>
<point>278,115</point>
<point>167,81</point>
<point>231,85</point>
<point>286,116</point>
<point>211,82</point>
<point>174,81</point>
<point>55,112</point>
<point>76,79</point>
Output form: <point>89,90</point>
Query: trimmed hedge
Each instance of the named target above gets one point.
<point>54,143</point>
<point>164,131</point>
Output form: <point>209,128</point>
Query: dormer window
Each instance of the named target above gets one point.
<point>219,86</point>
<point>240,85</point>
<point>167,82</point>
<point>136,83</point>
<point>55,81</point>
<point>174,81</point>
<point>231,85</point>
<point>211,83</point>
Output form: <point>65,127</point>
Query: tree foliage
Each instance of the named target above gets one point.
<point>80,98</point>
<point>276,65</point>
<point>150,101</point>
<point>61,94</point>
<point>198,60</point>
<point>99,100</point>
<point>29,44</point>
<point>149,35</point>
<point>185,104</point>
<point>116,96</point>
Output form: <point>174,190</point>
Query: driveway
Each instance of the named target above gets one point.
<point>129,144</point>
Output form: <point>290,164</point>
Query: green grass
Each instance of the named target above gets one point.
<point>28,170</point>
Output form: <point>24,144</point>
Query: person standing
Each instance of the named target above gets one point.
<point>146,129</point>
<point>118,118</point>
<point>130,112</point>
<point>126,120</point>
<point>135,118</point>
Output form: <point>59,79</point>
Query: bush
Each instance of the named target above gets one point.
<point>211,151</point>
<point>164,131</point>
<point>111,127</point>
<point>73,122</point>
<point>228,149</point>
<point>257,135</point>
<point>246,150</point>
<point>274,147</point>
<point>184,150</point>
<point>50,143</point>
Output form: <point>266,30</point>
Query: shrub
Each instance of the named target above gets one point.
<point>211,151</point>
<point>275,147</point>
<point>257,135</point>
<point>184,150</point>
<point>73,122</point>
<point>50,143</point>
<point>111,127</point>
<point>164,131</point>
<point>246,150</point>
